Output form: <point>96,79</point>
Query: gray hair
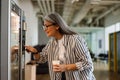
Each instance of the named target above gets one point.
<point>58,20</point>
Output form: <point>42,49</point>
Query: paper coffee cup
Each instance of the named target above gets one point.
<point>56,62</point>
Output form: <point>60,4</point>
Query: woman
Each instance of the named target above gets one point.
<point>67,47</point>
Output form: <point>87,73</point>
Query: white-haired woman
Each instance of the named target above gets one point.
<point>66,46</point>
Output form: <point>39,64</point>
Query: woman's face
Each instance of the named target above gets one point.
<point>50,28</point>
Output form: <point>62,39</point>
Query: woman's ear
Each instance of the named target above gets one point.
<point>57,27</point>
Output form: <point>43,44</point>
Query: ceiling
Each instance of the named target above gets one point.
<point>78,12</point>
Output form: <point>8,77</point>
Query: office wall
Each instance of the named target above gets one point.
<point>42,38</point>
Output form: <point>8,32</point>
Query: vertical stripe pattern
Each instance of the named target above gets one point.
<point>76,52</point>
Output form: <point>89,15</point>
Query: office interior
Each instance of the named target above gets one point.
<point>21,22</point>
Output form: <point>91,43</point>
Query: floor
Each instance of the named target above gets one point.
<point>100,71</point>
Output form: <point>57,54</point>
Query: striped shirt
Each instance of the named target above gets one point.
<point>76,52</point>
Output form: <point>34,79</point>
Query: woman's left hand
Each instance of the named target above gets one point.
<point>59,68</point>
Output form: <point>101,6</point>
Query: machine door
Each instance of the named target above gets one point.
<point>17,42</point>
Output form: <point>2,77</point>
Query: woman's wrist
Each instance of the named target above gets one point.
<point>36,57</point>
<point>70,67</point>
<point>35,52</point>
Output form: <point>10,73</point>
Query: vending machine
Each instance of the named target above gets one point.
<point>17,42</point>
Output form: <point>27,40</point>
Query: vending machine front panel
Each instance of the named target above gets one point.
<point>17,42</point>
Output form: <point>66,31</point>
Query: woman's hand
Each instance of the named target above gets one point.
<point>64,67</point>
<point>59,68</point>
<point>30,49</point>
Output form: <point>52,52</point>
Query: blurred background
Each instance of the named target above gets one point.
<point>98,21</point>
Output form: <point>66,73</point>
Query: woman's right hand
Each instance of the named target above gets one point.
<point>30,49</point>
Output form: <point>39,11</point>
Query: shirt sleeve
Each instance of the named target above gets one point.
<point>44,54</point>
<point>82,54</point>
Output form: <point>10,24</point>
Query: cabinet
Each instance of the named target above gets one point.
<point>30,72</point>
